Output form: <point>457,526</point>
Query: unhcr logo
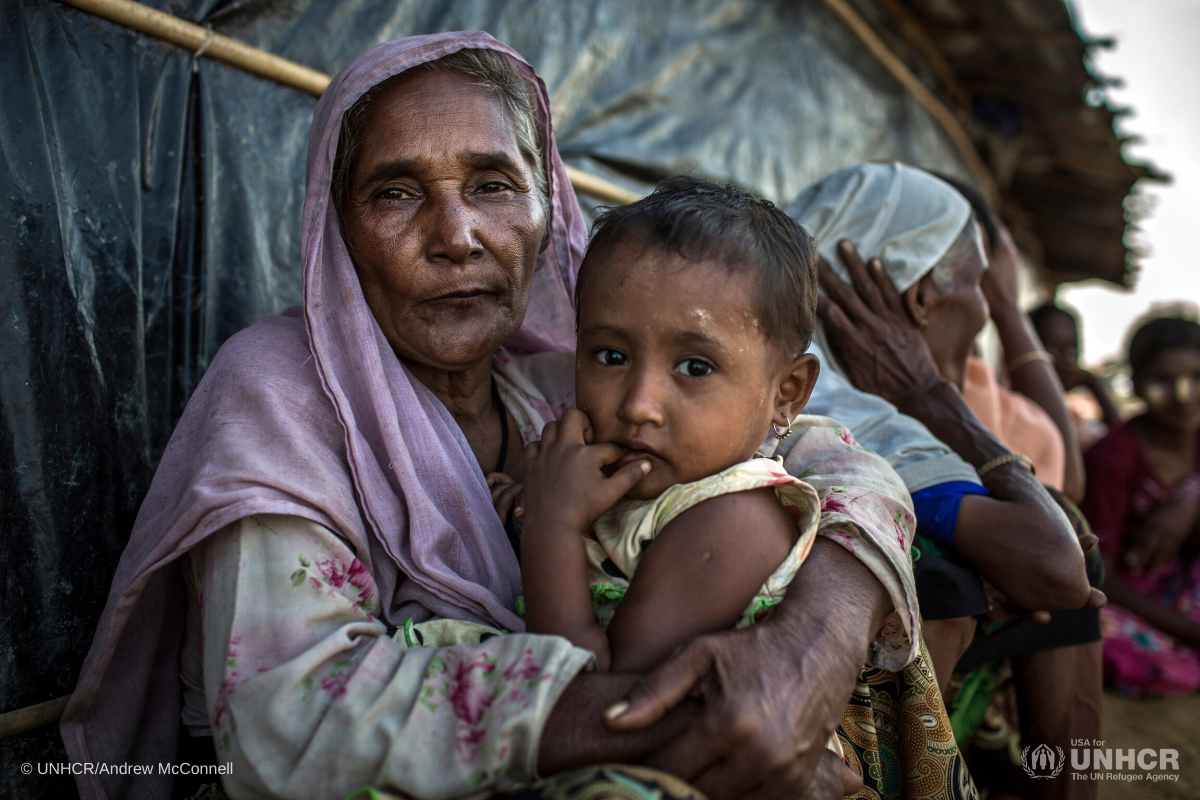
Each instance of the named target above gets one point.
<point>1042,762</point>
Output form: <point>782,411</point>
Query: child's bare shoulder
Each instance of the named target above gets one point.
<point>748,521</point>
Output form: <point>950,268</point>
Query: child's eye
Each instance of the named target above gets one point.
<point>694,367</point>
<point>611,358</point>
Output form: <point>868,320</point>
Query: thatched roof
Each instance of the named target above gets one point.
<point>1021,74</point>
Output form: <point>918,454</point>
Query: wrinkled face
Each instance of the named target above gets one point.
<point>671,364</point>
<point>442,220</point>
<point>1170,385</point>
<point>958,312</point>
<point>1057,333</point>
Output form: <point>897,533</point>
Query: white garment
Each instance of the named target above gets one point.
<point>901,215</point>
<point>908,219</point>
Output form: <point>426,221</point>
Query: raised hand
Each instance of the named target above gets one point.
<point>882,350</point>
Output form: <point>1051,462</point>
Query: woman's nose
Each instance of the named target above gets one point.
<point>642,401</point>
<point>449,228</point>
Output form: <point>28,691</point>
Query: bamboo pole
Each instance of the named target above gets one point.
<point>900,71</point>
<point>599,187</point>
<point>202,41</point>
<point>32,717</point>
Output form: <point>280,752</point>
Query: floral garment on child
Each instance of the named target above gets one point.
<point>615,545</point>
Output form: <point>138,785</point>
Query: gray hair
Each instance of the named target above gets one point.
<point>965,245</point>
<point>491,71</point>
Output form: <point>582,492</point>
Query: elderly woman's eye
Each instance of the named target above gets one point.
<point>694,367</point>
<point>492,187</point>
<point>611,358</point>
<point>395,193</point>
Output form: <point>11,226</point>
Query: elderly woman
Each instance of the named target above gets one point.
<point>325,489</point>
<point>907,334</point>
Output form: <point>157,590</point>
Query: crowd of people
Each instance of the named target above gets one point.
<point>502,508</point>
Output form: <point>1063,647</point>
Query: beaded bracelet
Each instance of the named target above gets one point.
<point>1000,461</point>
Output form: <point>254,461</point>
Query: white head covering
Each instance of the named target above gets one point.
<point>908,219</point>
<point>902,215</point>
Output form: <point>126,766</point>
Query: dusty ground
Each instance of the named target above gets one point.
<point>1173,723</point>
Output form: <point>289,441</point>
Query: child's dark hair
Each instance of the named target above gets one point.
<point>1158,335</point>
<point>702,221</point>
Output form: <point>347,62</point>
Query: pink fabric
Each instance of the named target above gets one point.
<point>311,414</point>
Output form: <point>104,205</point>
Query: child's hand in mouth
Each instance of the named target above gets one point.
<point>570,482</point>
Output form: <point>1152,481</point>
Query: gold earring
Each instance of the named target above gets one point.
<point>786,431</point>
<point>922,323</point>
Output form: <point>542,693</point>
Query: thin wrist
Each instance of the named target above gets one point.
<point>1007,313</point>
<point>913,401</point>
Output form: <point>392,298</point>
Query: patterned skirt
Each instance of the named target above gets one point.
<point>898,739</point>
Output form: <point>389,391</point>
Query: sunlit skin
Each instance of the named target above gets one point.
<point>443,220</point>
<point>671,364</point>
<point>1170,385</point>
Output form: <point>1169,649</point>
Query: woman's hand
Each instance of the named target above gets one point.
<point>1000,282</point>
<point>1157,542</point>
<point>565,483</point>
<point>507,495</point>
<point>882,351</point>
<point>755,736</point>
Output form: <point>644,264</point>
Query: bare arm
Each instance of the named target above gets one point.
<point>699,575</point>
<point>565,491</point>
<point>1038,379</point>
<point>1112,417</point>
<point>1019,538</point>
<point>1161,617</point>
<point>1019,525</point>
<point>801,663</point>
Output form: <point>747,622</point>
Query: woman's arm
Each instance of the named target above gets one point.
<point>1036,561</point>
<point>309,698</point>
<point>1169,622</point>
<point>1035,379</point>
<point>1018,537</point>
<point>1099,390</point>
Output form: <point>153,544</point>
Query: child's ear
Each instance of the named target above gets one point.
<point>799,378</point>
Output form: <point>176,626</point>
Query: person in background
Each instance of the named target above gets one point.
<point>1143,500</point>
<point>905,331</point>
<point>1031,417</point>
<point>1059,332</point>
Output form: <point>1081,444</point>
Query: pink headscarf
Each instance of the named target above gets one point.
<point>313,415</point>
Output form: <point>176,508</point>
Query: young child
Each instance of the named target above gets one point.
<point>650,513</point>
<point>648,520</point>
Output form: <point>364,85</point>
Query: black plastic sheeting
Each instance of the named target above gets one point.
<point>151,208</point>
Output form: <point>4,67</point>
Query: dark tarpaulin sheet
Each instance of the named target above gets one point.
<point>151,208</point>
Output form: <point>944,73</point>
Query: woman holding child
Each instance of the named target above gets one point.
<point>322,509</point>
